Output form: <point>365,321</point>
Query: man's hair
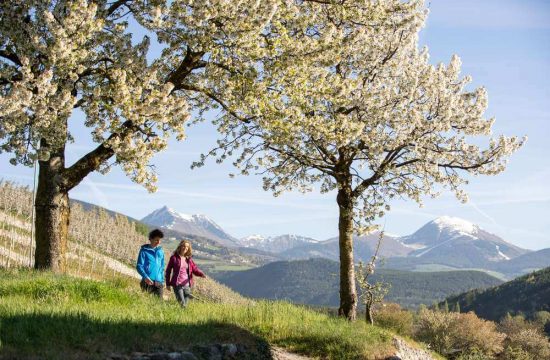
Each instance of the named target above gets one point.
<point>156,234</point>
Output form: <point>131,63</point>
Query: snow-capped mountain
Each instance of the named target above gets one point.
<point>446,242</point>
<point>448,237</point>
<point>276,244</point>
<point>364,247</point>
<point>197,224</point>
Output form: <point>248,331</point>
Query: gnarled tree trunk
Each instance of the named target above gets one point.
<point>52,200</point>
<point>52,214</point>
<point>348,292</point>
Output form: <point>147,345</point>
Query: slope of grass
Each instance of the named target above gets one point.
<point>90,261</point>
<point>53,316</point>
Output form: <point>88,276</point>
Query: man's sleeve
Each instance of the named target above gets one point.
<point>162,267</point>
<point>140,266</point>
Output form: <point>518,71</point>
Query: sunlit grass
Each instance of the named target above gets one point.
<point>97,318</point>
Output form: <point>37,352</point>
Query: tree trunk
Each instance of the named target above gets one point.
<point>348,293</point>
<point>368,314</point>
<point>52,214</point>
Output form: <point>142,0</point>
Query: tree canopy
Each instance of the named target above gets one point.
<point>375,111</point>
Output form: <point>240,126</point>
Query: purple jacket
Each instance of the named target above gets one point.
<point>173,270</point>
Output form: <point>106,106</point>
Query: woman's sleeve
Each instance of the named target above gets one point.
<point>197,271</point>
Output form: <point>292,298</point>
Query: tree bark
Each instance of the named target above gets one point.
<point>348,292</point>
<point>52,200</point>
<point>52,214</point>
<point>368,314</point>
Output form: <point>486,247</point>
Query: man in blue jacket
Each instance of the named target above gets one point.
<point>150,264</point>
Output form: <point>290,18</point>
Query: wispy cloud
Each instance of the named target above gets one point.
<point>482,213</point>
<point>244,198</point>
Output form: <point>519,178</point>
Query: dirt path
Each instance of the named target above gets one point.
<point>282,354</point>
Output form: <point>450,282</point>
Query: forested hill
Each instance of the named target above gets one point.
<point>315,282</point>
<point>526,294</point>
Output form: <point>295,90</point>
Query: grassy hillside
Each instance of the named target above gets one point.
<point>140,227</point>
<point>92,319</point>
<point>315,282</point>
<point>526,294</point>
<point>102,245</point>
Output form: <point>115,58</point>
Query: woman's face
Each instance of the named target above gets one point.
<point>184,249</point>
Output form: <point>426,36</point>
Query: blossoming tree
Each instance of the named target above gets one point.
<point>374,121</point>
<point>62,56</point>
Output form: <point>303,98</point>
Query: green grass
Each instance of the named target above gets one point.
<point>214,266</point>
<point>229,267</point>
<point>86,318</point>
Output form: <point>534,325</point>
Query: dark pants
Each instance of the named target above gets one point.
<point>183,294</point>
<point>157,288</point>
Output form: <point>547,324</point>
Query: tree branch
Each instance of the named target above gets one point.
<point>90,162</point>
<point>115,6</point>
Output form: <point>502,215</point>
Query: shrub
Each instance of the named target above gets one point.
<point>392,316</point>
<point>514,324</point>
<point>515,353</point>
<point>473,354</point>
<point>459,334</point>
<point>527,342</point>
<point>543,318</point>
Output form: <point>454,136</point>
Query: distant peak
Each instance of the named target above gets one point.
<point>172,212</point>
<point>455,223</point>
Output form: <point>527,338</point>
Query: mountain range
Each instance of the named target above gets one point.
<point>276,244</point>
<point>445,243</point>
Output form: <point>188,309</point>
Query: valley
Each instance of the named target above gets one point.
<point>315,282</point>
<point>445,257</point>
<point>245,290</point>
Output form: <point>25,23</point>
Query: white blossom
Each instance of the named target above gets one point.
<point>361,107</point>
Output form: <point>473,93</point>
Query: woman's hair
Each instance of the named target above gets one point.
<point>179,249</point>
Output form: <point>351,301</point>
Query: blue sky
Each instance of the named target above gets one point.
<point>504,45</point>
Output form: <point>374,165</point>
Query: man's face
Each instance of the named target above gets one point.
<point>155,241</point>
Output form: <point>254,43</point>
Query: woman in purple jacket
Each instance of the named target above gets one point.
<point>179,272</point>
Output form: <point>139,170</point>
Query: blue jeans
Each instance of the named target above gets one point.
<point>183,294</point>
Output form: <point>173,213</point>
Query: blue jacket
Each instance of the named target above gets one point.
<point>150,263</point>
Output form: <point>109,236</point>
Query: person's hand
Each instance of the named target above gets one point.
<point>204,276</point>
<point>168,288</point>
<point>148,282</point>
